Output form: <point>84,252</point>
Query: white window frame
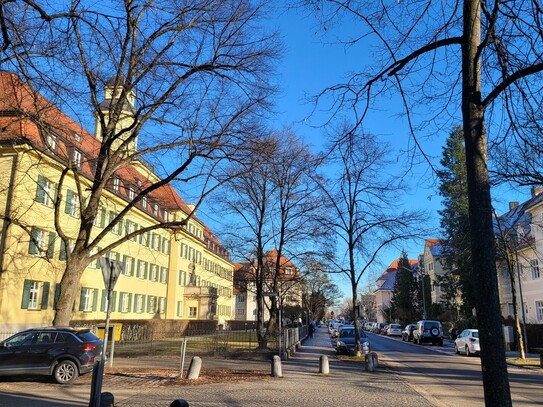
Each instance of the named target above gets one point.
<point>34,300</point>
<point>140,269</point>
<point>138,303</point>
<point>144,203</point>
<point>534,268</point>
<point>116,184</point>
<point>41,242</point>
<point>124,303</point>
<point>76,157</point>
<point>539,311</point>
<point>131,192</point>
<point>193,312</point>
<point>51,141</point>
<point>155,209</point>
<point>87,304</point>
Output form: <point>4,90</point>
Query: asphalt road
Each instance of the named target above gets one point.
<point>450,379</point>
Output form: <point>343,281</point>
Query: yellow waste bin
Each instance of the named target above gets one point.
<point>102,330</point>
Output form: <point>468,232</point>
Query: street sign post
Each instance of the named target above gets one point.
<point>111,270</point>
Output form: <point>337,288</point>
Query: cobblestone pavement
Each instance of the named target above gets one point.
<point>301,385</point>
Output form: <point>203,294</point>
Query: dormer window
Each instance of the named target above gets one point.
<point>77,137</point>
<point>116,184</point>
<point>76,158</point>
<point>165,215</point>
<point>288,271</point>
<point>131,192</point>
<point>144,202</point>
<point>51,141</point>
<point>155,209</point>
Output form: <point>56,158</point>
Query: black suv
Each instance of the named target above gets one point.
<point>64,353</point>
<point>428,331</point>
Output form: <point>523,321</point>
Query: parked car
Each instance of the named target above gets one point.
<point>468,342</point>
<point>345,343</point>
<point>407,333</point>
<point>428,331</point>
<point>394,330</point>
<point>64,353</point>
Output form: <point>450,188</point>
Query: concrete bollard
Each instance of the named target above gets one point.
<point>194,368</point>
<point>369,362</point>
<point>324,366</point>
<point>107,399</point>
<point>179,403</point>
<point>276,367</point>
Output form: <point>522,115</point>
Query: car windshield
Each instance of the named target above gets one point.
<point>430,325</point>
<point>395,326</point>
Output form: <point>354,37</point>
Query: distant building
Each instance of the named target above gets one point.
<point>245,286</point>
<point>522,227</point>
<point>385,289</point>
<point>433,266</point>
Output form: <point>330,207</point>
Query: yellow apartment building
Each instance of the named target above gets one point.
<point>176,273</point>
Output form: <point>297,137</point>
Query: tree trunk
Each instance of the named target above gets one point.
<point>494,368</point>
<point>69,286</point>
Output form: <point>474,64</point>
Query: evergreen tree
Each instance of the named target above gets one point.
<point>455,222</point>
<point>405,290</point>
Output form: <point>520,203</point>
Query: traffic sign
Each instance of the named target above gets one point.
<point>111,269</point>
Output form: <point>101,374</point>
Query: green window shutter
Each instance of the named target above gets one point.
<point>94,299</point>
<point>103,302</point>
<point>143,302</point>
<point>132,266</point>
<point>40,189</point>
<point>120,227</point>
<point>57,294</point>
<point>113,301</point>
<point>118,257</point>
<point>62,255</point>
<point>102,217</point>
<point>98,265</point>
<point>82,299</point>
<point>51,245</point>
<point>26,294</point>
<point>145,265</point>
<point>129,302</point>
<point>69,197</point>
<point>33,247</point>
<point>149,304</point>
<point>124,265</point>
<point>135,228</point>
<point>45,296</point>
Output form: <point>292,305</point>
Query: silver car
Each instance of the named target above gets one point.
<point>468,342</point>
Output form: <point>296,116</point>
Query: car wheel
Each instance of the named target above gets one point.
<point>468,353</point>
<point>65,372</point>
<point>456,349</point>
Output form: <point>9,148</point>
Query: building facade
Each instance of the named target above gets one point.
<point>174,273</point>
<point>522,231</point>
<point>289,283</point>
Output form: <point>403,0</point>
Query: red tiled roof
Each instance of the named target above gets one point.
<point>26,116</point>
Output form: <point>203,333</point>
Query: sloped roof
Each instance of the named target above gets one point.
<point>27,117</point>
<point>389,275</point>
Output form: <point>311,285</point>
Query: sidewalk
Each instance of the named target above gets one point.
<point>301,385</point>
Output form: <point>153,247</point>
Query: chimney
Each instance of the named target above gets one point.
<point>513,205</point>
<point>536,191</point>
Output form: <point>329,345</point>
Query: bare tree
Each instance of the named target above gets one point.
<point>272,207</point>
<point>183,83</point>
<point>476,59</point>
<point>363,205</point>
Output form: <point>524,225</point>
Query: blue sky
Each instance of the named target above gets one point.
<point>310,63</point>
